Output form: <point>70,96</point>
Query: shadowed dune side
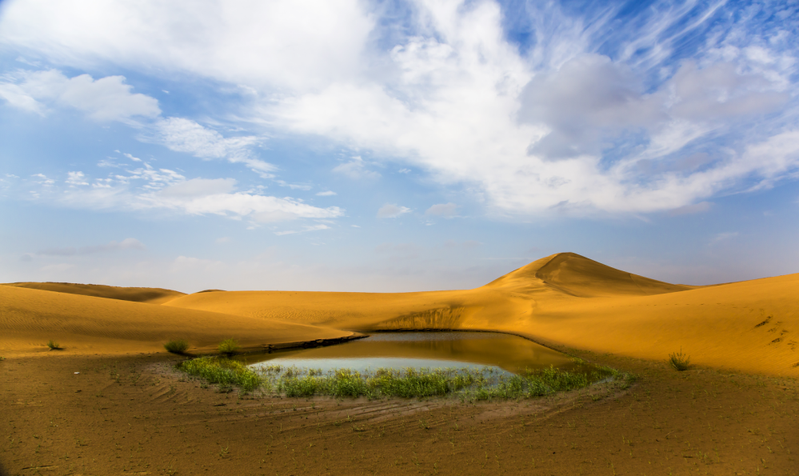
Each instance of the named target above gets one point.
<point>85,324</point>
<point>149,295</point>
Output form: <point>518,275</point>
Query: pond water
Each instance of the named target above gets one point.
<point>500,353</point>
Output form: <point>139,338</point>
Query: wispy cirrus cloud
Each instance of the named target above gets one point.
<point>185,135</point>
<point>165,190</point>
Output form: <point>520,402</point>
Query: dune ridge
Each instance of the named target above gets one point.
<point>149,295</point>
<point>561,300</point>
<point>87,324</point>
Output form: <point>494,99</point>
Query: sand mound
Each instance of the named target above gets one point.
<point>84,324</point>
<point>149,295</point>
<point>577,275</point>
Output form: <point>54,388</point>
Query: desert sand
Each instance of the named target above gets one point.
<point>739,400</point>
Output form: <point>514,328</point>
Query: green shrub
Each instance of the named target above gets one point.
<point>177,346</point>
<point>228,347</point>
<point>53,345</point>
<point>222,371</point>
<point>679,361</point>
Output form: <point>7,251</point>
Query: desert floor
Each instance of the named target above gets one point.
<point>134,415</point>
<point>127,411</point>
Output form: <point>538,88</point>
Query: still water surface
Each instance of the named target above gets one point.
<point>399,350</point>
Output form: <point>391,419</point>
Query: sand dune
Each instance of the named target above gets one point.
<point>85,324</point>
<point>564,299</point>
<point>149,295</point>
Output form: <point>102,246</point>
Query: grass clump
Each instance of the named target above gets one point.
<point>222,371</point>
<point>53,345</point>
<point>179,346</point>
<point>228,347</point>
<point>679,361</point>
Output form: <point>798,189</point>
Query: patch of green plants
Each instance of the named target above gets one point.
<point>53,345</point>
<point>2,358</point>
<point>679,361</point>
<point>222,371</point>
<point>468,384</point>
<point>179,346</point>
<point>228,347</point>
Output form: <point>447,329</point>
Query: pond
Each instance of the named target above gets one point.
<point>482,351</point>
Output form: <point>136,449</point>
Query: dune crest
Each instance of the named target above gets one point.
<point>579,276</point>
<point>148,295</point>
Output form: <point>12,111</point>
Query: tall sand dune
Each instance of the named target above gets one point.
<point>563,300</point>
<point>149,295</point>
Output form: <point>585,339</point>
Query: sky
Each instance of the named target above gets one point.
<point>392,146</point>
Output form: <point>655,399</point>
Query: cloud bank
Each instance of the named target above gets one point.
<point>583,118</point>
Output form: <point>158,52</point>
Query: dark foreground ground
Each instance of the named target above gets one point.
<point>134,416</point>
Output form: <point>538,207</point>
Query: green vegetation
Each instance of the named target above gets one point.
<point>679,361</point>
<point>177,346</point>
<point>228,347</point>
<point>2,358</point>
<point>223,371</point>
<point>468,384</point>
<point>53,345</point>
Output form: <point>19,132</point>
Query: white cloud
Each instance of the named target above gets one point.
<point>185,135</point>
<point>289,43</point>
<point>76,179</point>
<point>147,188</point>
<point>258,208</point>
<point>126,244</point>
<point>199,187</point>
<point>356,170</point>
<point>326,193</point>
<point>104,99</point>
<point>390,210</point>
<point>446,210</point>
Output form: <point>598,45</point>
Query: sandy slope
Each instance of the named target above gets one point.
<point>84,324</point>
<point>564,299</point>
<point>149,295</point>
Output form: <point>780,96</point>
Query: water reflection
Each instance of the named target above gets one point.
<point>399,350</point>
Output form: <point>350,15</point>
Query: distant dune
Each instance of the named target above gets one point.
<point>149,295</point>
<point>563,299</point>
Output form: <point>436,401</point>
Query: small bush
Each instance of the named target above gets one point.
<point>2,358</point>
<point>679,361</point>
<point>177,346</point>
<point>53,345</point>
<point>228,347</point>
<point>223,371</point>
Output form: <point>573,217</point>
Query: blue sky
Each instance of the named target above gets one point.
<point>395,146</point>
